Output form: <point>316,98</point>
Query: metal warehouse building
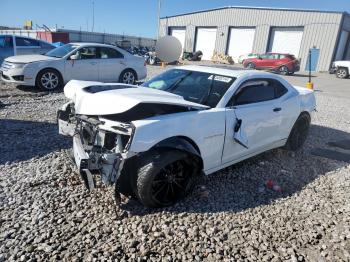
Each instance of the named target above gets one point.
<point>241,30</point>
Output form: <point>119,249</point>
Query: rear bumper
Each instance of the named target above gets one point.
<point>296,68</point>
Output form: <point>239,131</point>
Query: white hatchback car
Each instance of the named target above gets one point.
<point>151,141</point>
<point>79,61</point>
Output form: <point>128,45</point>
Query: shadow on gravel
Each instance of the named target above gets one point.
<point>22,140</point>
<point>243,186</point>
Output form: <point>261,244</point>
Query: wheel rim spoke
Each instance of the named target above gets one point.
<point>169,184</point>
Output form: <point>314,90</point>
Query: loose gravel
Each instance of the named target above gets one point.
<point>46,214</point>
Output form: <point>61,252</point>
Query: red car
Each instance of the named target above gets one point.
<point>281,63</point>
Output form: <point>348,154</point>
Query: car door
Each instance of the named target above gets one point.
<point>252,120</point>
<point>27,46</point>
<point>83,64</point>
<point>112,63</point>
<point>265,61</point>
<point>6,47</point>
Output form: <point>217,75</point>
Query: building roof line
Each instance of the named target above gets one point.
<point>259,8</point>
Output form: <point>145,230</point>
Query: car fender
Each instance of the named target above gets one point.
<point>35,67</point>
<point>182,144</point>
<point>193,126</point>
<point>342,64</point>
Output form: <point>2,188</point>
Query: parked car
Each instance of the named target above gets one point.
<point>340,68</point>
<point>81,61</point>
<point>241,58</point>
<point>151,141</point>
<point>11,45</point>
<point>280,63</point>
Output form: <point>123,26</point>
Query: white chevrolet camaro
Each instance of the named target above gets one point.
<point>151,141</point>
<point>79,61</point>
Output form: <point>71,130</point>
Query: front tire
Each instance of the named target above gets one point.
<point>298,135</point>
<point>251,66</point>
<point>342,73</point>
<point>283,70</point>
<point>49,80</point>
<point>128,76</point>
<point>164,177</point>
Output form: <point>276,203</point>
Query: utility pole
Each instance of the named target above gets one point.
<point>158,28</point>
<point>93,15</point>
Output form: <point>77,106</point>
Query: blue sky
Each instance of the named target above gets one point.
<point>135,17</point>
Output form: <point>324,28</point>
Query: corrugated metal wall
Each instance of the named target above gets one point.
<point>27,33</point>
<point>320,28</point>
<point>83,36</point>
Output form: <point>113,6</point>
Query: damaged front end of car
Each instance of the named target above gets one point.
<point>100,146</point>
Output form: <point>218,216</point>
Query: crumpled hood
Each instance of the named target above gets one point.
<point>29,58</point>
<point>95,98</point>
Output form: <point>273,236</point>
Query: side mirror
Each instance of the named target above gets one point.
<point>74,57</point>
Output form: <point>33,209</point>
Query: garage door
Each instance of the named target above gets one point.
<point>286,40</point>
<point>205,42</point>
<point>341,51</point>
<point>180,34</point>
<point>240,42</point>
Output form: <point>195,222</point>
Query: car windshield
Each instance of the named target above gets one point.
<point>199,87</point>
<point>61,51</point>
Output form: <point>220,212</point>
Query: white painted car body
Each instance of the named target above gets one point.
<point>97,69</point>
<point>211,130</point>
<point>343,63</point>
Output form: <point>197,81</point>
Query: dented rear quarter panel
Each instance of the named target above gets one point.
<point>206,128</point>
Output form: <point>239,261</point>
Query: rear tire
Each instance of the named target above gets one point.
<point>342,73</point>
<point>49,80</point>
<point>128,76</point>
<point>164,177</point>
<point>299,133</point>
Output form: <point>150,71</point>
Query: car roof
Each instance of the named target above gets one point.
<point>223,70</point>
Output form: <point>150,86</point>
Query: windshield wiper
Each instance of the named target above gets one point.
<point>172,87</point>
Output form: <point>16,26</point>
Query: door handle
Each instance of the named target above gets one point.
<point>277,109</point>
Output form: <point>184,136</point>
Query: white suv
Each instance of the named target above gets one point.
<point>79,61</point>
<point>340,68</point>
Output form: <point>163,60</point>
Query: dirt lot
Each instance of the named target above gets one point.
<point>46,214</point>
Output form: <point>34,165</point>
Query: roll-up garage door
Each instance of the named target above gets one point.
<point>341,51</point>
<point>180,34</point>
<point>205,42</point>
<point>286,40</point>
<point>240,42</point>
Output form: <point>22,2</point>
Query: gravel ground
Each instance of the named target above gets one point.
<point>46,214</point>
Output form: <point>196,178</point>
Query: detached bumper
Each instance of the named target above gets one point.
<point>91,156</point>
<point>90,164</point>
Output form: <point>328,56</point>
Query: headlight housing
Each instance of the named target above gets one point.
<point>18,65</point>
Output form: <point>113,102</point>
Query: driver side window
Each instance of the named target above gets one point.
<point>253,91</point>
<point>86,53</point>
